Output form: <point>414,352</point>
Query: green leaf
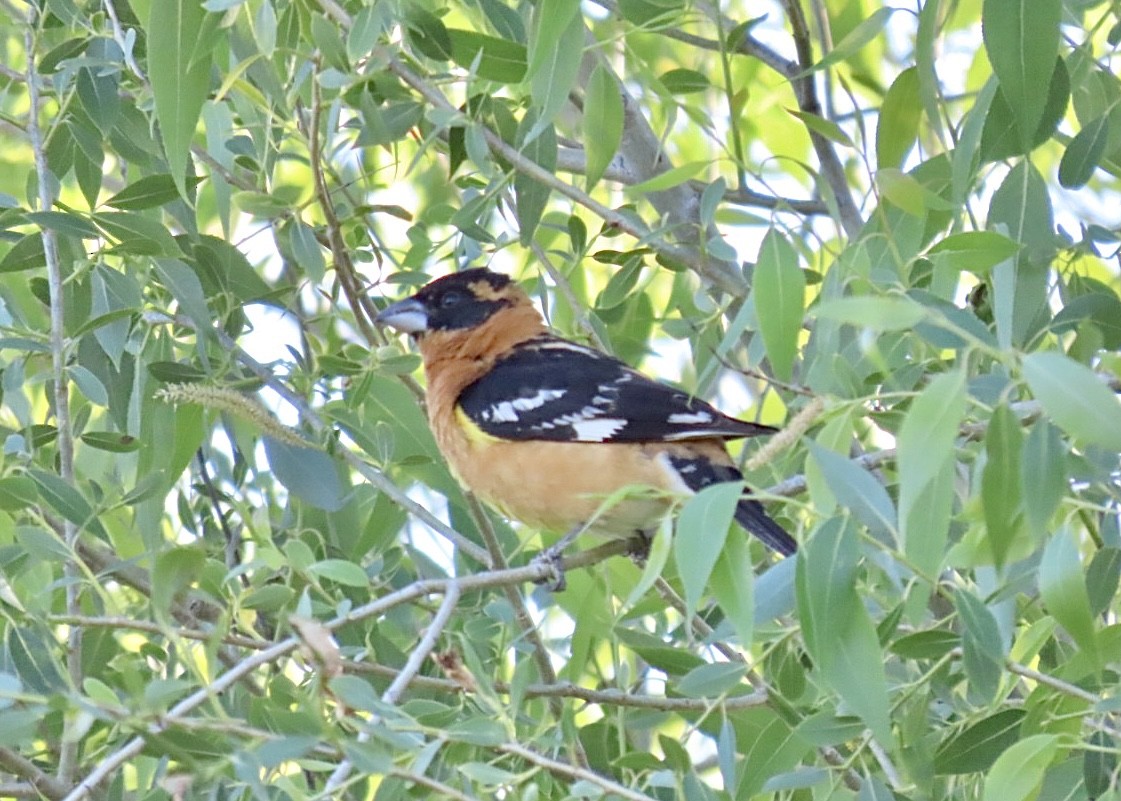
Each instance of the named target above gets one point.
<point>307,473</point>
<point>66,500</point>
<point>136,233</point>
<point>17,492</point>
<point>179,70</point>
<point>702,528</point>
<point>823,127</point>
<point>111,441</point>
<point>908,193</point>
<point>530,195</point>
<point>1075,398</point>
<point>1102,578</point>
<point>499,60</point>
<point>603,123</point>
<point>982,646</point>
<point>305,249</point>
<point>228,270</point>
<point>838,632</point>
<point>25,254</point>
<point>1099,764</point>
<point>975,251</point>
<point>426,32</point>
<point>976,747</point>
<point>668,179</point>
<point>149,192</point>
<point>711,680</point>
<point>176,373</point>
<point>856,40</point>
<point>874,313</point>
<point>857,490</point>
<point>900,115</point>
<point>1000,134</point>
<point>64,223</point>
<point>925,526</point>
<point>1084,153</point>
<point>269,207</point>
<point>1062,587</point>
<point>1018,772</point>
<point>33,660</point>
<point>926,644</point>
<point>173,574</point>
<point>555,52</point>
<point>926,442</point>
<point>1000,481</point>
<point>1022,203</point>
<point>340,571</point>
<point>733,585</point>
<point>825,728</point>
<point>779,295</point>
<point>89,384</point>
<point>185,287</point>
<point>1022,39</point>
<point>684,81</point>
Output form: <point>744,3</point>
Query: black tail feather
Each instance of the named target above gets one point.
<point>700,471</point>
<point>751,516</point>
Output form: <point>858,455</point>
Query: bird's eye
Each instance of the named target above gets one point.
<point>451,299</point>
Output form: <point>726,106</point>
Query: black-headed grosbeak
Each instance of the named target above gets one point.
<point>545,429</point>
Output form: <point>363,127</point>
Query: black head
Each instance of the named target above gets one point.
<point>458,301</point>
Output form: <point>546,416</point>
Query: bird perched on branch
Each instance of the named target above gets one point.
<point>546,430</point>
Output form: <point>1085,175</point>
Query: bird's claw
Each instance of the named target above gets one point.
<point>551,560</point>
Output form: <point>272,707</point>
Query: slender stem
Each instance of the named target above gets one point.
<point>420,589</point>
<point>40,782</point>
<point>397,688</point>
<point>573,772</point>
<point>68,753</point>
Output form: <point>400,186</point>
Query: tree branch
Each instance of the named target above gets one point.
<point>42,782</point>
<point>69,748</point>
<point>534,572</point>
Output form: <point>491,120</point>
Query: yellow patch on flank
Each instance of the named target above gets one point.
<point>475,435</point>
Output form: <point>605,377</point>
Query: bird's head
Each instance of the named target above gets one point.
<point>480,305</point>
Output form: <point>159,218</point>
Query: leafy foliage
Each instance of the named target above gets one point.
<point>891,231</point>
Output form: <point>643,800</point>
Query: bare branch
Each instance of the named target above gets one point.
<point>535,572</point>
<point>69,748</point>
<point>573,772</point>
<point>24,768</point>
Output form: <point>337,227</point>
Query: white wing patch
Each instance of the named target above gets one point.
<point>507,411</point>
<point>597,430</point>
<point>689,418</point>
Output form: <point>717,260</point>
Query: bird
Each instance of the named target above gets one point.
<point>557,434</point>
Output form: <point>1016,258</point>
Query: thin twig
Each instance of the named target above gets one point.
<point>122,40</point>
<point>320,427</point>
<point>19,765</point>
<point>573,772</point>
<point>535,572</point>
<point>397,688</point>
<point>604,697</point>
<point>68,752</point>
<point>805,89</point>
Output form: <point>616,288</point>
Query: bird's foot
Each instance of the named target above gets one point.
<point>639,548</point>
<point>552,559</point>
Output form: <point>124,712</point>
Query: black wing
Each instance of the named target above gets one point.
<point>553,389</point>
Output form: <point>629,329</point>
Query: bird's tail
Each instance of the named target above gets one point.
<point>751,516</point>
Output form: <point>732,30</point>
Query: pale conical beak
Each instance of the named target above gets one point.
<point>408,315</point>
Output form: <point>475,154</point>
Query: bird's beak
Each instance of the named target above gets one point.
<point>408,316</point>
